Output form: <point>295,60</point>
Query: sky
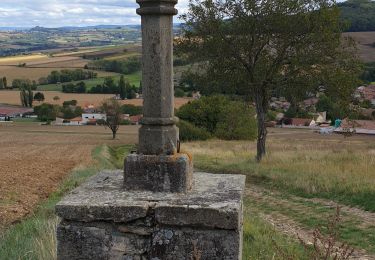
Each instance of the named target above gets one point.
<point>58,13</point>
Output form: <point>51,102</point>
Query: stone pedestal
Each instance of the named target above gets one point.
<point>101,220</point>
<point>158,173</point>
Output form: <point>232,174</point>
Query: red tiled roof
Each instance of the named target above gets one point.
<point>10,111</point>
<point>135,119</point>
<point>301,121</point>
<point>363,124</point>
<point>77,119</point>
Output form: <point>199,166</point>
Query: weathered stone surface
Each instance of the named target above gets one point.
<point>158,134</point>
<point>161,173</point>
<point>216,196</point>
<point>101,241</point>
<point>205,222</point>
<point>195,244</point>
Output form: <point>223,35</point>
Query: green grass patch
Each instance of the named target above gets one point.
<point>25,120</point>
<point>35,237</point>
<point>134,79</point>
<point>262,241</point>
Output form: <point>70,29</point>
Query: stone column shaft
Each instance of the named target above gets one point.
<point>158,134</point>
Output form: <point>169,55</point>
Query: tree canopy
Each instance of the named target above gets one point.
<point>256,48</point>
<point>359,14</point>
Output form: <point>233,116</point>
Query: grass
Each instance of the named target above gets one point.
<point>25,120</point>
<point>261,241</point>
<point>342,170</point>
<point>35,237</point>
<point>133,79</point>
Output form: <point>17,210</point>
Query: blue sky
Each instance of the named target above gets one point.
<point>55,13</point>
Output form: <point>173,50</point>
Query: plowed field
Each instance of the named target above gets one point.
<point>34,159</point>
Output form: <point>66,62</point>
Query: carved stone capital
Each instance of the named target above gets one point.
<point>157,7</point>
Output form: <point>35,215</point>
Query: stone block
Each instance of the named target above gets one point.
<point>205,222</point>
<point>163,173</point>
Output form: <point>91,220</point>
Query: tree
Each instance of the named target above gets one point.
<point>5,82</point>
<point>46,112</point>
<point>39,96</point>
<point>26,95</point>
<point>1,84</point>
<point>56,98</point>
<point>257,48</point>
<point>112,109</point>
<point>220,117</point>
<point>132,109</point>
<point>122,87</point>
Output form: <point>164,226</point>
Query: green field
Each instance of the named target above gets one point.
<point>134,79</point>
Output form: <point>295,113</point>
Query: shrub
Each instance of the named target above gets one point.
<point>189,132</point>
<point>132,109</point>
<point>179,92</point>
<point>237,123</point>
<point>221,117</point>
<point>205,112</point>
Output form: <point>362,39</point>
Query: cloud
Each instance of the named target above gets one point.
<point>55,13</point>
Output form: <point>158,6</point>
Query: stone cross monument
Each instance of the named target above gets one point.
<point>157,166</point>
<point>157,209</point>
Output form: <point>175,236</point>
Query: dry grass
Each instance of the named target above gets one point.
<point>15,60</point>
<point>364,40</point>
<point>13,98</point>
<point>302,162</point>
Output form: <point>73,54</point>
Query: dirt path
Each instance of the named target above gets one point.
<point>297,217</point>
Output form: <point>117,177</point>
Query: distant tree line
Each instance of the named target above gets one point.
<point>123,88</point>
<point>24,83</point>
<point>80,87</point>
<point>127,66</point>
<point>109,86</point>
<point>359,14</point>
<point>67,76</point>
<point>27,48</point>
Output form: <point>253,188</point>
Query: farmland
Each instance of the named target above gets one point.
<point>294,190</point>
<point>13,98</point>
<point>35,159</point>
<point>365,41</point>
<point>40,65</point>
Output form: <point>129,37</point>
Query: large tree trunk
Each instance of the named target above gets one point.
<point>114,134</point>
<point>261,109</point>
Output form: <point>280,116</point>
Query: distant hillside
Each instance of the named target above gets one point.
<point>360,14</point>
<point>365,43</point>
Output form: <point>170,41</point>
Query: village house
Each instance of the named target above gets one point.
<point>135,120</point>
<point>366,93</point>
<point>301,122</point>
<point>92,118</point>
<point>68,122</point>
<point>9,112</point>
<point>358,126</point>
